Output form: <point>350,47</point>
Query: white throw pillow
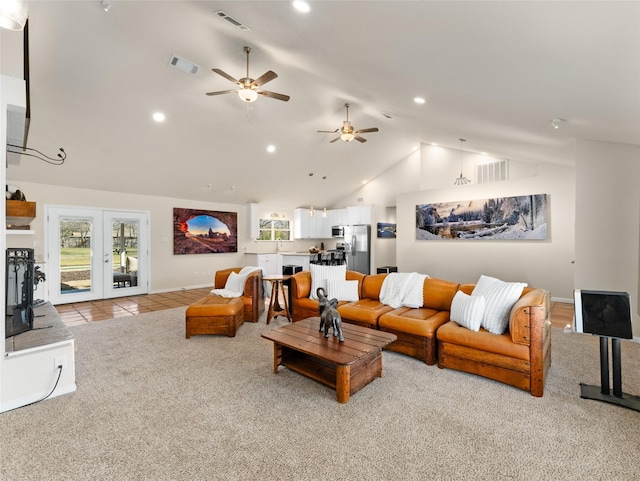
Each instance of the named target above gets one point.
<point>342,290</point>
<point>321,274</point>
<point>500,297</point>
<point>467,310</point>
<point>235,283</point>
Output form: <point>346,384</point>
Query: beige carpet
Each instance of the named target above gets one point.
<point>152,405</point>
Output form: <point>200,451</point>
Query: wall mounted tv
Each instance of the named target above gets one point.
<point>603,313</point>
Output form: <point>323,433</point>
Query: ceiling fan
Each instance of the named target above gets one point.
<point>249,90</point>
<point>347,133</point>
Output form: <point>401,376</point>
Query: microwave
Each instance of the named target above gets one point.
<point>337,231</point>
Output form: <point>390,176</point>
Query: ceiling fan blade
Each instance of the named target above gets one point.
<point>362,131</point>
<point>221,92</point>
<point>266,77</point>
<point>359,139</point>
<point>334,140</point>
<point>227,76</point>
<point>328,131</point>
<point>273,95</point>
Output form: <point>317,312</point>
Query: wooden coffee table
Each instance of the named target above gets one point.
<point>344,366</point>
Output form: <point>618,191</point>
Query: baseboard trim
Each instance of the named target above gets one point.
<point>562,299</point>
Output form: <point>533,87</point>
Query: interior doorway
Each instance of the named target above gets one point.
<point>95,254</point>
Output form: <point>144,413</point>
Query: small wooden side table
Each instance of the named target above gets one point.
<point>275,309</point>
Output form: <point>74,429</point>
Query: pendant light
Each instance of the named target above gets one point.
<point>461,180</point>
<point>324,191</point>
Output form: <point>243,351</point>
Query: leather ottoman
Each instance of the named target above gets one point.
<point>214,315</point>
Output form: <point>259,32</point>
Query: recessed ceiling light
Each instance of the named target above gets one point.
<point>301,6</point>
<point>159,117</point>
<point>555,123</point>
<point>271,148</point>
<point>419,100</point>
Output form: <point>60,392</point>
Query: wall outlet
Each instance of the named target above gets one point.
<point>59,361</point>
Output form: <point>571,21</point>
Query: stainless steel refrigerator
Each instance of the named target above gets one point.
<point>357,246</point>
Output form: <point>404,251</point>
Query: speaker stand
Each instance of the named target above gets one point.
<point>603,393</point>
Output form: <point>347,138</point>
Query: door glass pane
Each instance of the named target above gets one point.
<point>125,253</point>
<point>75,256</point>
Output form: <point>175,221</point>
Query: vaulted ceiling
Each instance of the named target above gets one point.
<point>495,73</point>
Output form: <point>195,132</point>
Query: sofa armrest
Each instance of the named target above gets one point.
<point>253,286</point>
<point>529,317</point>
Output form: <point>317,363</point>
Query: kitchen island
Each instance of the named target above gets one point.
<point>297,259</point>
<point>272,263</point>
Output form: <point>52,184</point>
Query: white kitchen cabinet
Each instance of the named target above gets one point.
<point>360,214</point>
<point>339,217</point>
<point>297,259</point>
<point>323,228</point>
<point>254,220</point>
<point>268,263</point>
<point>305,225</point>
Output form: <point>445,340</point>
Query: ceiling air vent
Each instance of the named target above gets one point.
<point>232,20</point>
<point>183,65</point>
<point>492,171</point>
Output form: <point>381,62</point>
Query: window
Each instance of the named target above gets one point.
<point>274,230</point>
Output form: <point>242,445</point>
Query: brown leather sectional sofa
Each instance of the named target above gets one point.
<point>520,357</point>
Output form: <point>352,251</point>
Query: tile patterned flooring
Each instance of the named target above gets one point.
<point>91,311</point>
<point>100,310</point>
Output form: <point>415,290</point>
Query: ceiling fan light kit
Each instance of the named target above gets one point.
<point>347,133</point>
<point>249,90</point>
<point>248,95</point>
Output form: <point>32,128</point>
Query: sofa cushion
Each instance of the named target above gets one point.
<point>342,290</point>
<point>438,293</point>
<point>321,275</point>
<point>422,322</point>
<point>500,296</point>
<point>468,311</point>
<point>235,282</point>
<point>364,312</point>
<point>371,286</point>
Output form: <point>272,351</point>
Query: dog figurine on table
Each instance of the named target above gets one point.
<point>329,315</point>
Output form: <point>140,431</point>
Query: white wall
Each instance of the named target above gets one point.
<point>608,220</point>
<point>546,264</point>
<point>168,271</point>
<point>383,190</point>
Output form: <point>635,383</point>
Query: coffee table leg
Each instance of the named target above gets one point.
<point>277,356</point>
<point>343,383</point>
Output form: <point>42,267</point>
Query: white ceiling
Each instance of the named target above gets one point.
<point>495,73</point>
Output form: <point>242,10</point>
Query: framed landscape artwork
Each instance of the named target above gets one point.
<point>197,231</point>
<point>503,218</point>
<point>386,230</point>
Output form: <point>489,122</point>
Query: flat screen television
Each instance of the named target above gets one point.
<point>603,313</point>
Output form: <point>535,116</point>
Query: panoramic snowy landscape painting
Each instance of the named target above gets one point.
<point>503,218</point>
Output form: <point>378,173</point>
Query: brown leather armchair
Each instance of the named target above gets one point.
<point>253,296</point>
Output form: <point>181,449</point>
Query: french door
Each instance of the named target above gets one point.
<point>95,254</point>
